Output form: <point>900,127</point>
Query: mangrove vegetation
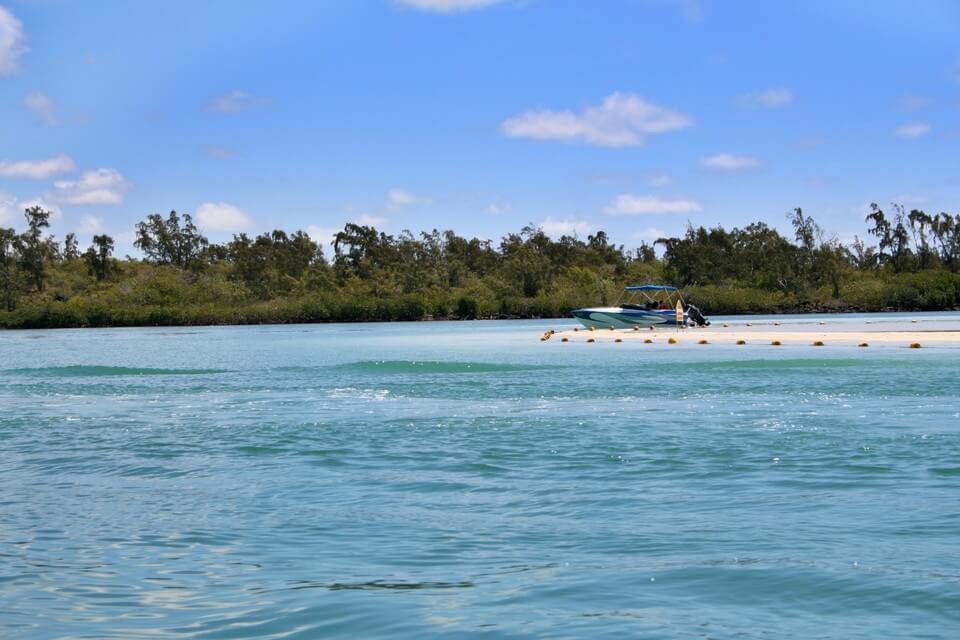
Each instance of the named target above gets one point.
<point>906,261</point>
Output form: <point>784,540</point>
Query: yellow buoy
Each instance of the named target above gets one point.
<point>648,341</point>
<point>914,345</point>
<point>672,341</point>
<point>741,342</point>
<point>775,343</point>
<point>818,343</point>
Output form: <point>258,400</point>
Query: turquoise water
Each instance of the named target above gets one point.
<point>465,479</point>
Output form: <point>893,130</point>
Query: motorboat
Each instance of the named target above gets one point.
<point>644,305</point>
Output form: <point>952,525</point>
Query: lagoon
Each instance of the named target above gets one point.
<point>463,479</point>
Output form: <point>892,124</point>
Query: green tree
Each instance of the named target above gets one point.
<point>70,250</point>
<point>167,241</point>
<point>98,257</point>
<point>9,273</point>
<point>882,230</point>
<point>35,250</point>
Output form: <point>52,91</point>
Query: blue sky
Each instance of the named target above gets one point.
<point>632,116</point>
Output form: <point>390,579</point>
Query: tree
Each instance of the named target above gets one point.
<point>35,250</point>
<point>881,229</point>
<point>70,250</point>
<point>169,242</point>
<point>97,257</point>
<point>9,275</point>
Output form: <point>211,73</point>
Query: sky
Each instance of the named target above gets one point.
<point>636,117</point>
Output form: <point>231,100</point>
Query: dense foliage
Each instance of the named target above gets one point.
<point>285,277</point>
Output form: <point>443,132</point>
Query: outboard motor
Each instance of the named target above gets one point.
<point>696,316</point>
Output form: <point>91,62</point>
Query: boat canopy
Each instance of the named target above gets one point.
<point>650,287</point>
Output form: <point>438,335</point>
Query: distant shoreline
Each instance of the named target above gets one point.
<point>796,312</point>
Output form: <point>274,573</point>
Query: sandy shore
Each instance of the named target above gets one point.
<point>841,333</point>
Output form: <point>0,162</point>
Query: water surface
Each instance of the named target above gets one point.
<point>460,479</point>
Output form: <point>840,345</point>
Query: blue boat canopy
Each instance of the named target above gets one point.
<point>650,287</point>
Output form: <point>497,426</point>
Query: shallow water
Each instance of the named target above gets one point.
<point>457,479</point>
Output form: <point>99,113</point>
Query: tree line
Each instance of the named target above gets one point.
<point>279,276</point>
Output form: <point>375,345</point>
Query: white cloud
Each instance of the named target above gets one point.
<point>567,226</point>
<point>44,106</point>
<point>90,225</point>
<point>322,235</point>
<point>223,217</point>
<point>8,203</point>
<point>766,99</point>
<point>11,209</point>
<point>12,42</point>
<point>497,208</point>
<point>649,235</point>
<point>447,6</point>
<point>39,170</point>
<point>912,130</point>
<point>398,197</point>
<point>623,120</point>
<point>369,221</point>
<point>237,102</point>
<point>100,186</point>
<point>630,205</point>
<point>223,153</point>
<point>661,180</point>
<point>729,162</point>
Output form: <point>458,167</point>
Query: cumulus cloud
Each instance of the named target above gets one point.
<point>369,221</point>
<point>628,204</point>
<point>398,197</point>
<point>766,99</point>
<point>623,120</point>
<point>729,162</point>
<point>912,130</point>
<point>38,170</point>
<point>100,186</point>
<point>661,180</point>
<point>567,226</point>
<point>447,6</point>
<point>223,153</point>
<point>497,208</point>
<point>12,42</point>
<point>11,208</point>
<point>44,106</point>
<point>223,217</point>
<point>237,102</point>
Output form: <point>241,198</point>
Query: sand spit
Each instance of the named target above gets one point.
<point>817,333</point>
